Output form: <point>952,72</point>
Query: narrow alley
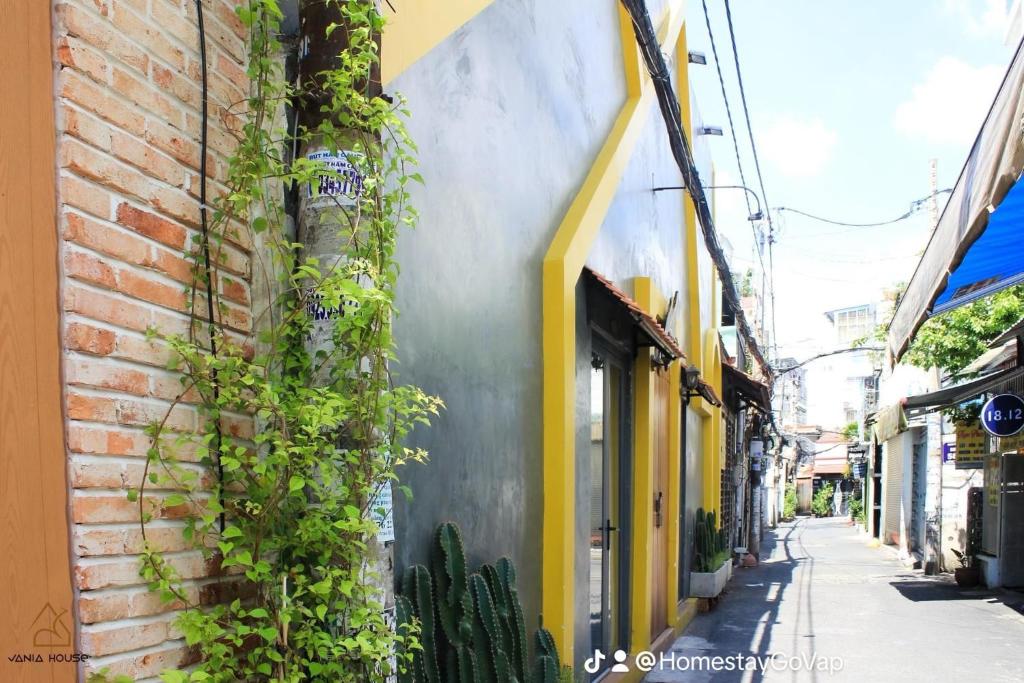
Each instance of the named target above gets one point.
<point>822,593</point>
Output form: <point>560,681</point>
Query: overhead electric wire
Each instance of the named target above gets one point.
<point>668,103</point>
<point>915,206</point>
<point>757,161</point>
<point>728,109</point>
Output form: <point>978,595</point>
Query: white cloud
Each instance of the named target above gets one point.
<point>797,147</point>
<point>979,18</point>
<point>949,105</point>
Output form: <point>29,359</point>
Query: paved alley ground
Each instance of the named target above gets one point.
<point>821,591</point>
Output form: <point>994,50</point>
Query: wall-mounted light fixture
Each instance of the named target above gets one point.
<point>691,381</point>
<point>709,130</point>
<point>696,58</point>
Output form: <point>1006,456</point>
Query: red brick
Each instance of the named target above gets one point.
<point>174,142</point>
<point>84,195</point>
<point>145,32</point>
<point>71,52</point>
<point>226,14</point>
<point>88,268</point>
<point>175,204</point>
<point>97,440</point>
<point>136,412</point>
<point>113,508</point>
<point>107,239</point>
<point>150,352</point>
<point>92,164</point>
<point>101,34</point>
<point>94,340</point>
<point>91,408</point>
<point>105,307</point>
<point>151,225</point>
<point>108,475</point>
<point>141,155</point>
<point>174,266</point>
<point>146,97</point>
<point>103,542</point>
<point>100,641</point>
<point>98,606</point>
<point>125,572</point>
<point>90,96</point>
<point>148,665</point>
<point>151,290</point>
<point>234,290</point>
<point>102,374</point>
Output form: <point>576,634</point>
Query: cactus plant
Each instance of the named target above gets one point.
<point>711,544</point>
<point>472,626</point>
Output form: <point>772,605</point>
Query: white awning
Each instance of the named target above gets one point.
<point>993,166</point>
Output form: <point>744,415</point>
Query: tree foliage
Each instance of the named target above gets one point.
<point>953,340</point>
<point>287,527</point>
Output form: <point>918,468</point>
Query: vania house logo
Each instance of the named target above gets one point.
<point>51,640</point>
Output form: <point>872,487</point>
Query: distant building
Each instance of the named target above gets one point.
<point>843,388</point>
<point>790,400</point>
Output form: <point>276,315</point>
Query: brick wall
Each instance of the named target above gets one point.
<point>128,115</point>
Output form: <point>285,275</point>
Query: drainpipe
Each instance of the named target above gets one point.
<point>323,230</point>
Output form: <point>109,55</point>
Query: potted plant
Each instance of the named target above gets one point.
<point>967,575</point>
<point>711,561</point>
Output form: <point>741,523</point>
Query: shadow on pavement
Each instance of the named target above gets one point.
<point>742,624</point>
<point>927,590</point>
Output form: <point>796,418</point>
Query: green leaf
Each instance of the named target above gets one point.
<point>296,483</point>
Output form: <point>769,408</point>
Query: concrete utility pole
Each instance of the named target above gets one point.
<point>329,219</point>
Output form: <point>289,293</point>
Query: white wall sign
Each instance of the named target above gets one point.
<point>382,513</point>
<point>341,181</point>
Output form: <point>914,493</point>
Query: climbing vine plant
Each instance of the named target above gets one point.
<point>286,524</point>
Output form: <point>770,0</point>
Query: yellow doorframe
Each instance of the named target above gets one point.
<point>563,264</point>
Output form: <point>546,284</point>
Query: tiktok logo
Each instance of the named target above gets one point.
<point>593,665</point>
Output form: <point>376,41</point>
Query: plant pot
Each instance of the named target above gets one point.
<point>967,577</point>
<point>710,584</point>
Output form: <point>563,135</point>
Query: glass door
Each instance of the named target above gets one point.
<point>600,510</point>
<point>608,461</point>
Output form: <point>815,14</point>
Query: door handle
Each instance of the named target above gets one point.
<point>608,529</point>
<point>657,510</point>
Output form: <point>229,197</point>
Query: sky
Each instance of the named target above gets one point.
<point>849,102</point>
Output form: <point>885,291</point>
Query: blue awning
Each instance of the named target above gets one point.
<point>947,275</point>
<point>995,260</point>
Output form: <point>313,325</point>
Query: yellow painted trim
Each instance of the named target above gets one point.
<point>711,429</point>
<point>418,27</point>
<point>563,263</point>
<point>675,464</point>
<point>631,63</point>
<point>653,302</point>
<point>643,494</point>
<point>694,346</point>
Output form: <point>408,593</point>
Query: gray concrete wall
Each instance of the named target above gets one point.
<point>508,114</point>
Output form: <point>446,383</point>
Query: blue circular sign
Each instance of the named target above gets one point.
<point>1003,415</point>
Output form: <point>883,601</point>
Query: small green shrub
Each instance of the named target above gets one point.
<point>857,510</point>
<point>789,502</point>
<point>821,504</point>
